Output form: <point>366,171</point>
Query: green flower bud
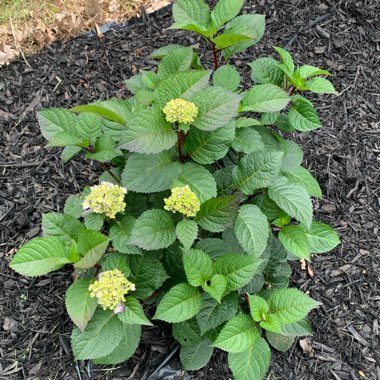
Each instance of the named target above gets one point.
<point>182,200</point>
<point>181,111</point>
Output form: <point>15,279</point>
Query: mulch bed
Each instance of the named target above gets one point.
<point>341,36</point>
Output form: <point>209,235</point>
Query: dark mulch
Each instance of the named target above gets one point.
<point>342,36</point>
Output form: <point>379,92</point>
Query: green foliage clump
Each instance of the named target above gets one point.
<point>202,203</point>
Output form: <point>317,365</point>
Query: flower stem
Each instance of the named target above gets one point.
<point>181,139</point>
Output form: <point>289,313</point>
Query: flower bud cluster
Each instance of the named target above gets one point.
<point>181,111</point>
<point>182,200</point>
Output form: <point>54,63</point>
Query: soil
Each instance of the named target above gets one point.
<point>341,36</point>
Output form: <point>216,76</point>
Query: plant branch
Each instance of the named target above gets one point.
<point>215,55</point>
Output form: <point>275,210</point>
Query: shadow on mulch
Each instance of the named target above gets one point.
<point>344,156</point>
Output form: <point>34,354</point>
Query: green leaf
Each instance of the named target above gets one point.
<point>116,110</point>
<point>40,256</point>
<point>94,221</point>
<point>101,336</point>
<point>258,307</point>
<point>196,355</point>
<point>300,328</point>
<point>153,230</point>
<point>176,61</point>
<point>247,140</point>
<point>120,234</point>
<point>173,263</point>
<point>164,50</point>
<point>105,149</point>
<point>252,364</point>
<point>216,107</point>
<point>320,86</point>
<point>69,152</point>
<point>198,267</point>
<point>252,229</point>
<point>225,10</point>
<point>238,269</point>
<point>62,226</point>
<point>217,214</point>
<point>91,246</point>
<point>89,126</point>
<point>181,85</point>
<point>216,286</point>
<point>180,303</point>
<point>307,71</point>
<point>214,313</point>
<point>279,342</point>
<point>287,306</point>
<point>293,157</point>
<point>126,348</point>
<point>191,13</point>
<point>256,170</point>
<point>200,180</point>
<point>79,304</point>
<point>116,260</point>
<point>303,116</point>
<point>265,98</point>
<point>148,132</point>
<point>187,332</point>
<point>321,238</point>
<point>149,173</point>
<point>287,65</point>
<point>58,126</point>
<point>213,247</point>
<point>133,313</point>
<point>147,273</point>
<point>301,176</point>
<point>294,239</point>
<point>266,70</point>
<point>247,25</point>
<point>224,41</point>
<point>187,231</point>
<point>226,76</point>
<point>238,334</point>
<point>73,206</point>
<point>293,199</point>
<point>206,147</point>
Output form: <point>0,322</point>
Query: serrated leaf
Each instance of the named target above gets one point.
<point>69,152</point>
<point>101,336</point>
<point>164,50</point>
<point>320,86</point>
<point>301,176</point>
<point>40,256</point>
<point>226,76</point>
<point>79,303</point>
<point>187,231</point>
<point>58,126</point>
<point>89,126</point>
<point>266,70</point>
<point>252,229</point>
<point>280,342</point>
<point>91,246</point>
<point>153,230</point>
<point>321,238</point>
<point>206,147</point>
<point>73,206</point>
<point>258,307</point>
<point>294,239</point>
<point>116,260</point>
<point>187,332</point>
<point>293,199</point>
<point>133,313</point>
<point>217,214</point>
<point>293,157</point>
<point>307,71</point>
<point>147,273</point>
<point>149,173</point>
<point>180,303</point>
<point>247,25</point>
<point>148,132</point>
<point>94,221</point>
<point>196,355</point>
<point>287,306</point>
<point>126,348</point>
<point>265,98</point>
<point>198,267</point>
<point>216,286</point>
<point>224,41</point>
<point>173,264</point>
<point>287,65</point>
<point>213,247</point>
<point>105,149</point>
<point>214,313</point>
<point>256,170</point>
<point>200,180</point>
<point>300,328</point>
<point>238,334</point>
<point>252,364</point>
<point>194,12</point>
<point>216,107</point>
<point>62,226</point>
<point>247,140</point>
<point>303,116</point>
<point>181,85</point>
<point>120,234</point>
<point>225,10</point>
<point>176,61</point>
<point>237,268</point>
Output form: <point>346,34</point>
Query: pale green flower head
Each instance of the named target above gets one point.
<point>106,198</point>
<point>110,290</point>
<point>181,111</point>
<point>182,200</point>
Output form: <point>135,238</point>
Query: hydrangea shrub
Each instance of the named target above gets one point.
<point>202,203</point>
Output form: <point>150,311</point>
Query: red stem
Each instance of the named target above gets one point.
<point>181,138</point>
<point>215,54</point>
